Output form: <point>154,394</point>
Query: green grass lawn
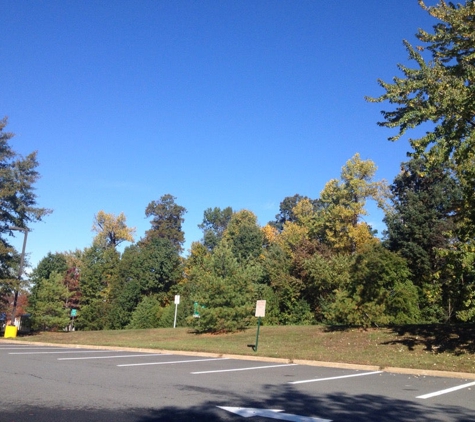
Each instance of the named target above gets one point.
<point>429,347</point>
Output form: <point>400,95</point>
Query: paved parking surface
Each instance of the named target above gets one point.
<point>79,384</point>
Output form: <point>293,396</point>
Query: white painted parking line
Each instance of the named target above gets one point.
<point>336,378</point>
<point>446,391</point>
<point>119,356</point>
<point>52,353</point>
<point>31,348</point>
<point>242,369</point>
<point>169,363</point>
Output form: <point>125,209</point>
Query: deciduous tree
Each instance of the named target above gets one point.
<point>289,304</point>
<point>438,94</point>
<point>167,220</point>
<point>111,230</point>
<point>339,220</point>
<point>214,224</point>
<point>286,210</point>
<point>146,269</point>
<point>244,235</point>
<point>98,275</point>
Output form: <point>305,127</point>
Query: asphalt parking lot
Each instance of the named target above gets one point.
<point>48,383</point>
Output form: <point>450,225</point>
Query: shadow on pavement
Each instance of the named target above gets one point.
<point>338,407</point>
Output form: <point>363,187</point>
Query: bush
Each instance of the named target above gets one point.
<point>147,314</point>
<point>380,292</point>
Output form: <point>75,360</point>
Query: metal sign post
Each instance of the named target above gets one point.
<point>74,313</point>
<point>20,272</point>
<point>177,302</point>
<point>260,312</point>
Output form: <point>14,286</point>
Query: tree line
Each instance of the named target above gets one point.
<point>318,261</point>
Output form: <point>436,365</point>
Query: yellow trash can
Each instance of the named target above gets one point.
<point>10,331</point>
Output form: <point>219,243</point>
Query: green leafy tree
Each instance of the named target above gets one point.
<point>325,276</point>
<point>438,95</point>
<point>167,220</point>
<point>50,311</point>
<point>225,292</point>
<point>244,235</point>
<point>422,213</point>
<point>419,224</point>
<point>61,264</point>
<point>196,257</point>
<point>273,315</point>
<point>156,266</point>
<point>287,287</point>
<point>126,290</point>
<point>51,263</point>
<point>98,274</point>
<point>380,292</point>
<point>147,314</point>
<point>124,301</point>
<point>6,290</point>
<point>214,224</point>
<point>150,313</point>
<point>184,312</point>
<point>146,269</point>
<point>458,287</point>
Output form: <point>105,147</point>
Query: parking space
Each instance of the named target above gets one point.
<point>129,378</point>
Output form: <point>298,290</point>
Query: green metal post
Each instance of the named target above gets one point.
<point>257,335</point>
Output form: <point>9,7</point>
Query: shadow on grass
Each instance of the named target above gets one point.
<point>457,339</point>
<point>335,407</point>
<point>437,338</point>
<point>338,328</point>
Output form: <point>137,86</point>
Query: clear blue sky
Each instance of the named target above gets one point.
<point>219,103</point>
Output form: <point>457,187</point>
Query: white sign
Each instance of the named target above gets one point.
<point>249,412</point>
<point>261,308</point>
<point>177,299</point>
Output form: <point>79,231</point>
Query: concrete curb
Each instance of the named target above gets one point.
<point>391,370</point>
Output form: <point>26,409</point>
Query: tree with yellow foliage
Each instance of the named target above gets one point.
<point>111,229</point>
<point>338,221</point>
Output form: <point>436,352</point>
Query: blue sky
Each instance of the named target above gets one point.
<point>219,103</point>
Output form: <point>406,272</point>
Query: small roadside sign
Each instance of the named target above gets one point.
<point>177,302</point>
<point>196,310</point>
<point>260,312</point>
<point>261,308</point>
<point>74,312</point>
